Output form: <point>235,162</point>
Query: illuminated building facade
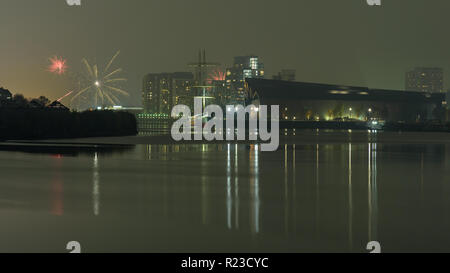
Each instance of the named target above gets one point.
<point>312,101</point>
<point>161,91</point>
<point>425,79</point>
<point>245,67</point>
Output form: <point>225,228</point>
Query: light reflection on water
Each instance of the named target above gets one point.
<point>230,197</point>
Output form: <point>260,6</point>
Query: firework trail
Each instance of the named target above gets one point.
<point>58,65</point>
<point>102,85</point>
<point>63,97</point>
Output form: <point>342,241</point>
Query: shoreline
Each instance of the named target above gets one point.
<point>300,137</point>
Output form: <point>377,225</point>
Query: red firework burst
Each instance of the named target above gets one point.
<point>58,65</point>
<point>217,75</point>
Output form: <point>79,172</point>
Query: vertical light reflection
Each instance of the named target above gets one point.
<point>57,193</point>
<point>294,190</point>
<point>229,201</point>
<point>204,185</point>
<point>255,185</point>
<point>421,178</point>
<point>373,192</point>
<point>286,198</point>
<point>369,198</point>
<point>96,186</point>
<point>255,175</point>
<point>317,191</point>
<point>236,187</point>
<point>350,198</point>
<point>165,152</point>
<point>149,152</point>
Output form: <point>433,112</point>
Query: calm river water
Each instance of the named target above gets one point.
<point>329,194</point>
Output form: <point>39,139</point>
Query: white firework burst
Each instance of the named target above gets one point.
<point>102,86</point>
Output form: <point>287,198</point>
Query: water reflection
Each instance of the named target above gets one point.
<point>294,188</point>
<point>229,200</point>
<point>57,189</point>
<point>232,188</point>
<point>233,197</point>
<point>317,184</point>
<point>96,186</point>
<point>65,150</point>
<point>254,186</point>
<point>204,184</point>
<point>286,191</point>
<point>290,190</point>
<point>350,199</point>
<point>236,186</point>
<point>373,192</point>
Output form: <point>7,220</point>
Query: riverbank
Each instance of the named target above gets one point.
<point>428,126</point>
<point>293,136</point>
<point>34,124</point>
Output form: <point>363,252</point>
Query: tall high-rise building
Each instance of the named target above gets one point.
<point>162,91</point>
<point>244,67</point>
<point>425,79</point>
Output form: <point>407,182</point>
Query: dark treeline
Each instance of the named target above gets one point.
<point>37,119</point>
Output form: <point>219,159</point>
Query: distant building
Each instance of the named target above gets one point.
<point>314,101</point>
<point>5,94</point>
<point>285,75</point>
<point>162,91</point>
<point>58,106</point>
<point>120,108</point>
<point>425,79</point>
<point>447,99</point>
<point>447,104</point>
<point>244,67</point>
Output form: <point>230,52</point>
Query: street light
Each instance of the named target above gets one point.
<point>369,116</point>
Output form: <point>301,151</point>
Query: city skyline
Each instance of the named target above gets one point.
<point>165,36</point>
<point>218,135</point>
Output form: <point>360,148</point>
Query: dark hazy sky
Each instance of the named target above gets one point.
<point>330,41</point>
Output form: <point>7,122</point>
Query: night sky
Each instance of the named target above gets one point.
<point>327,41</point>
